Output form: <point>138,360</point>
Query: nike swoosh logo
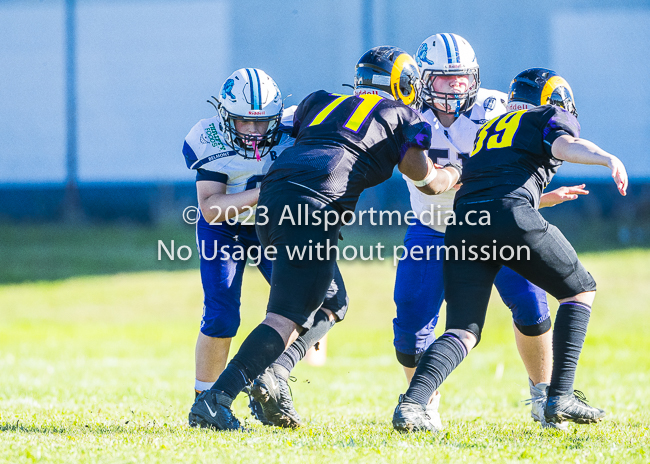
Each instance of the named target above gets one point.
<point>213,414</point>
<point>274,385</point>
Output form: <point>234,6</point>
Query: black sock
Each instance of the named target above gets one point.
<point>434,366</point>
<point>259,350</point>
<point>298,349</point>
<point>569,334</point>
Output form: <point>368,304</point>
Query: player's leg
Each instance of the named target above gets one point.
<point>210,355</point>
<point>333,310</point>
<point>418,296</point>
<point>531,321</point>
<point>298,289</point>
<point>271,388</point>
<point>468,285</point>
<point>335,306</point>
<point>272,385</point>
<point>555,267</point>
<point>571,322</point>
<point>533,335</point>
<point>221,280</point>
<point>247,237</point>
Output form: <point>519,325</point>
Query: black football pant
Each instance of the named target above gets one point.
<point>517,237</point>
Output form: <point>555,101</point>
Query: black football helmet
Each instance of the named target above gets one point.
<point>540,86</point>
<point>392,71</point>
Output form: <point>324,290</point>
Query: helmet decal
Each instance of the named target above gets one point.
<point>405,93</point>
<point>421,55</point>
<point>489,103</point>
<point>226,90</point>
<point>553,83</point>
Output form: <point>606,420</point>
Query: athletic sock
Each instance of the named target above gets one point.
<point>569,334</point>
<point>298,349</point>
<point>200,387</point>
<point>434,366</point>
<point>259,350</point>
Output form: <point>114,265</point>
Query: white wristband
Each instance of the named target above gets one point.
<point>430,176</point>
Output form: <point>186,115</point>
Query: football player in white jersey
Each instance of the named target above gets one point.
<point>231,152</point>
<point>456,107</point>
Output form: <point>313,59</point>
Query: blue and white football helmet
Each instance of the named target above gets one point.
<point>249,94</point>
<point>448,55</point>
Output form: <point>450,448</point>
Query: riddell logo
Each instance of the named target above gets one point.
<point>516,106</point>
<point>256,113</point>
<point>366,92</point>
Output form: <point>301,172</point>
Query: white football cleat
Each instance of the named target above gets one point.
<point>538,403</point>
<point>432,410</point>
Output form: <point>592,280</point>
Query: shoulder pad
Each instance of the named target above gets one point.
<point>287,116</point>
<point>489,104</point>
<point>205,143</point>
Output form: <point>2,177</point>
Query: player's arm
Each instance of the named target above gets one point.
<point>581,151</point>
<point>418,167</point>
<point>214,201</point>
<point>562,194</point>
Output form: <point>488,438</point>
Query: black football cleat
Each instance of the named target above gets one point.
<point>571,407</point>
<point>412,417</point>
<point>272,392</point>
<point>256,408</point>
<point>212,410</point>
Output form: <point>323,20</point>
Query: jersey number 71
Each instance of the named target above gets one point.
<point>358,116</point>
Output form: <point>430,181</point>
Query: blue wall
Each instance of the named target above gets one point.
<point>145,69</point>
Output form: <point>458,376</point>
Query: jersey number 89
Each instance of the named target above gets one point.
<point>498,132</point>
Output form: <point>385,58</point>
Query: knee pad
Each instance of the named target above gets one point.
<point>220,322</point>
<point>535,329</point>
<point>408,360</point>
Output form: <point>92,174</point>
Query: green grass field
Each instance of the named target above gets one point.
<point>100,369</point>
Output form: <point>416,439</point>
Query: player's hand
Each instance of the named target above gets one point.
<point>562,194</point>
<point>619,174</point>
<point>439,166</point>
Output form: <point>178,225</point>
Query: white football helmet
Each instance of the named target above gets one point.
<point>250,94</point>
<point>448,55</point>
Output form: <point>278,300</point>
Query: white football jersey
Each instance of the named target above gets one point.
<point>205,148</point>
<point>450,145</point>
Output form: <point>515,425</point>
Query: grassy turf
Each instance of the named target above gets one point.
<point>100,369</point>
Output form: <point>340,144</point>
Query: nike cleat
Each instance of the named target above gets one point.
<point>272,392</point>
<point>571,407</point>
<point>538,403</point>
<point>212,410</point>
<point>412,417</point>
